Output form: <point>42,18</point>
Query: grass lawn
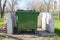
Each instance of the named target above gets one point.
<point>57,25</point>
<point>1,21</point>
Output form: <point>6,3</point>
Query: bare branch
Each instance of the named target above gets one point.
<point>47,5</point>
<point>3,8</point>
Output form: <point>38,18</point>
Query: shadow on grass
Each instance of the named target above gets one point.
<point>57,31</point>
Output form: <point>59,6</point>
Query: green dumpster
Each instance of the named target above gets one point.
<point>26,20</point>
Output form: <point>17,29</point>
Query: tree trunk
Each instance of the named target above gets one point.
<point>0,8</point>
<point>59,15</point>
<point>3,8</point>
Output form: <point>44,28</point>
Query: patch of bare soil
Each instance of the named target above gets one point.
<point>30,37</point>
<point>3,27</point>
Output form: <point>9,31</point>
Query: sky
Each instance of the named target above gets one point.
<point>23,3</point>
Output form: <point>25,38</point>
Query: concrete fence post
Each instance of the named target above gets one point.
<point>9,24</point>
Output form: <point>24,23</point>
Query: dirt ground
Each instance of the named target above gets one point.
<point>26,36</point>
<point>29,37</point>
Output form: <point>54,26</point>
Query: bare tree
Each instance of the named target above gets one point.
<point>47,5</point>
<point>38,6</point>
<point>59,13</point>
<point>2,8</point>
<point>11,5</point>
<point>55,7</point>
<point>11,8</point>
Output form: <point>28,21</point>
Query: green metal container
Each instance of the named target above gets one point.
<point>26,19</point>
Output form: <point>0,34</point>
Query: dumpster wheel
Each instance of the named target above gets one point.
<point>15,30</point>
<point>34,31</point>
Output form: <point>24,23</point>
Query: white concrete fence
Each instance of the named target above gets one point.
<point>45,20</point>
<point>9,24</point>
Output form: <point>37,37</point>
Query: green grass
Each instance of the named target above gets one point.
<point>57,25</point>
<point>1,21</point>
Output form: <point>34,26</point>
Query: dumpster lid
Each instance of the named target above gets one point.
<point>26,10</point>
